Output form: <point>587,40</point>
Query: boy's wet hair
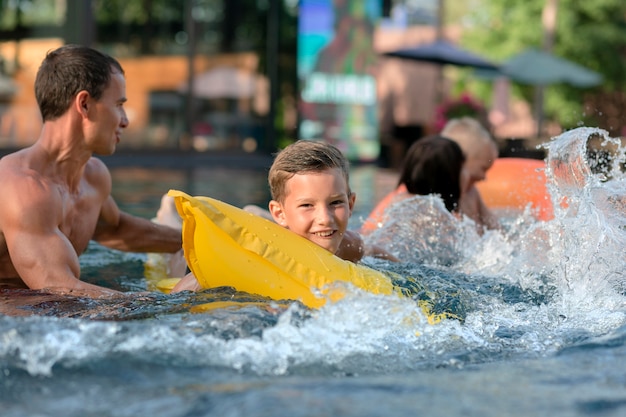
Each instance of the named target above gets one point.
<point>304,156</point>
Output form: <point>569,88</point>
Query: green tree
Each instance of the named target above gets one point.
<point>591,33</point>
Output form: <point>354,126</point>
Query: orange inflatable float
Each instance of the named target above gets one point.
<point>513,183</point>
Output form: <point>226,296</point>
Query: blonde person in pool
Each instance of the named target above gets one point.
<point>311,196</point>
<point>480,153</point>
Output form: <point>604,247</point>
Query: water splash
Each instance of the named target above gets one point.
<point>588,235</point>
<point>574,263</point>
<point>532,289</point>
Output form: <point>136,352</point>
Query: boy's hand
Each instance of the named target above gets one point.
<point>351,247</point>
<point>188,283</point>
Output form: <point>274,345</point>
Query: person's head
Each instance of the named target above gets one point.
<point>68,70</point>
<point>311,196</point>
<point>475,142</point>
<point>92,86</point>
<point>434,165</point>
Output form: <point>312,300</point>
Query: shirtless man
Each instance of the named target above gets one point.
<point>480,153</point>
<point>56,195</point>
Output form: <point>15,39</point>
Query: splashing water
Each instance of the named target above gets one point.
<point>527,292</point>
<point>573,265</point>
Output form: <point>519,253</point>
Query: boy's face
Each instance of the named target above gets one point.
<point>316,206</point>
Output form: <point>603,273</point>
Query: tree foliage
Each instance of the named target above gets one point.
<point>590,33</point>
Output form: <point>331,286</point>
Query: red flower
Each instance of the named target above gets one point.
<point>464,105</point>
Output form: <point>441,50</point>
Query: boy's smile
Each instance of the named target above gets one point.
<point>317,206</point>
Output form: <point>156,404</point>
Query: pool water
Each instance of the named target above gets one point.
<point>543,330</point>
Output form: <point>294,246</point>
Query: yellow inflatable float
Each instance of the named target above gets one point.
<point>226,246</point>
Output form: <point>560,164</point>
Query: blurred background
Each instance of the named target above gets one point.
<point>370,76</point>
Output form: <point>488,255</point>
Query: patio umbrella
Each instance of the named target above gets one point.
<point>444,53</point>
<point>541,68</point>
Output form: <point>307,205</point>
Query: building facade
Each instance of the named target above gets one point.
<point>201,74</point>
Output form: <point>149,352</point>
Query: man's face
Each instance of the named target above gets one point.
<point>107,116</point>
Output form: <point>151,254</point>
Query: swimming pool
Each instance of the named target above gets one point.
<point>544,331</point>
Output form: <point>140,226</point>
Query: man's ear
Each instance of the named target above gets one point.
<point>82,102</point>
<point>278,213</point>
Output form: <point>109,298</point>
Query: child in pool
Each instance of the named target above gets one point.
<point>480,153</point>
<point>419,220</point>
<point>432,165</point>
<point>311,196</point>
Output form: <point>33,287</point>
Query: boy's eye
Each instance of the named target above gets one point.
<point>337,202</point>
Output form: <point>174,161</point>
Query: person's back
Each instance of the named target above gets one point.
<point>480,153</point>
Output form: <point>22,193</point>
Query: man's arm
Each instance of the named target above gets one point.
<point>187,283</point>
<point>48,262</point>
<point>122,231</point>
<point>41,254</point>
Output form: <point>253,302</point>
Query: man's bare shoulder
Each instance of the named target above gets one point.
<point>13,162</point>
<point>28,193</point>
<point>18,175</point>
<point>96,166</point>
<point>97,173</point>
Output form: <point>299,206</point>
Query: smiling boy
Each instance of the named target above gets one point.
<point>311,196</point>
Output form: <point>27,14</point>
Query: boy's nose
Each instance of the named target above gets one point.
<point>324,216</point>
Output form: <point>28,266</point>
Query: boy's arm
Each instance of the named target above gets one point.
<point>353,249</point>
